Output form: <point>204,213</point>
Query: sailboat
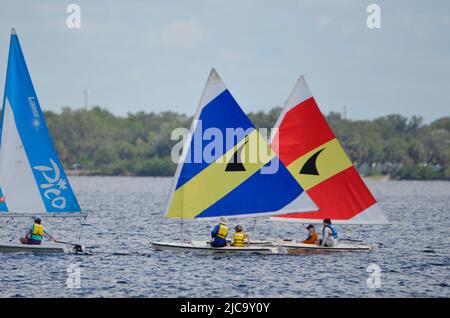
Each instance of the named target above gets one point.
<point>308,147</point>
<point>228,182</point>
<point>32,179</point>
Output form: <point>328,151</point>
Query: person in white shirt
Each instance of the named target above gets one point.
<point>329,234</point>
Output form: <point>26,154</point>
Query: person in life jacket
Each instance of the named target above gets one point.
<point>329,234</point>
<point>36,233</point>
<point>312,238</point>
<point>239,237</point>
<point>219,233</point>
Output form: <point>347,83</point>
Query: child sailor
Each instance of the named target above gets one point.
<point>36,233</point>
<point>312,235</point>
<point>239,237</point>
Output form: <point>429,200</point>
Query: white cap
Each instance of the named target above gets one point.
<point>223,220</point>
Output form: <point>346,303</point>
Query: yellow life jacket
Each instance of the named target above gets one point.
<point>222,232</point>
<point>37,231</point>
<point>238,239</point>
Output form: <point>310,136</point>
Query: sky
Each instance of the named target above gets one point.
<point>156,55</point>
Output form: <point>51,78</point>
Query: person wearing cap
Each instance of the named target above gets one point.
<point>239,237</point>
<point>312,236</point>
<point>35,233</point>
<point>219,233</point>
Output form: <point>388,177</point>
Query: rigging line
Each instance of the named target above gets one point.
<point>80,234</point>
<point>254,230</point>
<point>181,230</point>
<point>187,234</point>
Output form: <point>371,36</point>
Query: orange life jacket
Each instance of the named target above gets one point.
<point>312,238</point>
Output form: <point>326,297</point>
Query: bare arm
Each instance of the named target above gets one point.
<point>50,236</point>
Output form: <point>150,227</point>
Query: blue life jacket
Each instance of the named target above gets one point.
<point>219,233</point>
<point>333,231</point>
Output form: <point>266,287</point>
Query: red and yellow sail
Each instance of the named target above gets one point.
<point>309,149</point>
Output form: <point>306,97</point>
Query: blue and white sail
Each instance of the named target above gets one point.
<point>32,179</point>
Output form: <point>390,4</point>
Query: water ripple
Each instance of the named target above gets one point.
<point>124,216</point>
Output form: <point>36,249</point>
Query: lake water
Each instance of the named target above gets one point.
<point>124,216</point>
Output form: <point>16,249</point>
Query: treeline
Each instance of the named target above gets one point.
<point>396,146</point>
<point>94,141</point>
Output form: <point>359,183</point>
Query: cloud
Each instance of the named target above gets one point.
<point>347,30</point>
<point>234,56</point>
<point>235,4</point>
<point>445,21</point>
<point>329,3</point>
<point>323,22</point>
<point>184,33</point>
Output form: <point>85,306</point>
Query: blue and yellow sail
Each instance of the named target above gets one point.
<point>242,177</point>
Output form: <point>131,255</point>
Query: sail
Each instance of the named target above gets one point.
<point>308,147</point>
<point>227,182</point>
<point>32,179</point>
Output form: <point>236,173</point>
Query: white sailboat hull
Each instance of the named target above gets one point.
<point>205,247</point>
<point>293,247</point>
<point>45,248</point>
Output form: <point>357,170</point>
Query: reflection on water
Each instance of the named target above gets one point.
<point>124,216</point>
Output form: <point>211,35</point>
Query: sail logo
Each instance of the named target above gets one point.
<point>54,184</point>
<point>36,121</point>
<point>310,166</point>
<point>235,164</point>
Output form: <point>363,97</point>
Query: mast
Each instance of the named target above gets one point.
<point>181,229</point>
<point>254,229</point>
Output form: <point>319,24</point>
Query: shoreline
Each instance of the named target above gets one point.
<point>84,173</point>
